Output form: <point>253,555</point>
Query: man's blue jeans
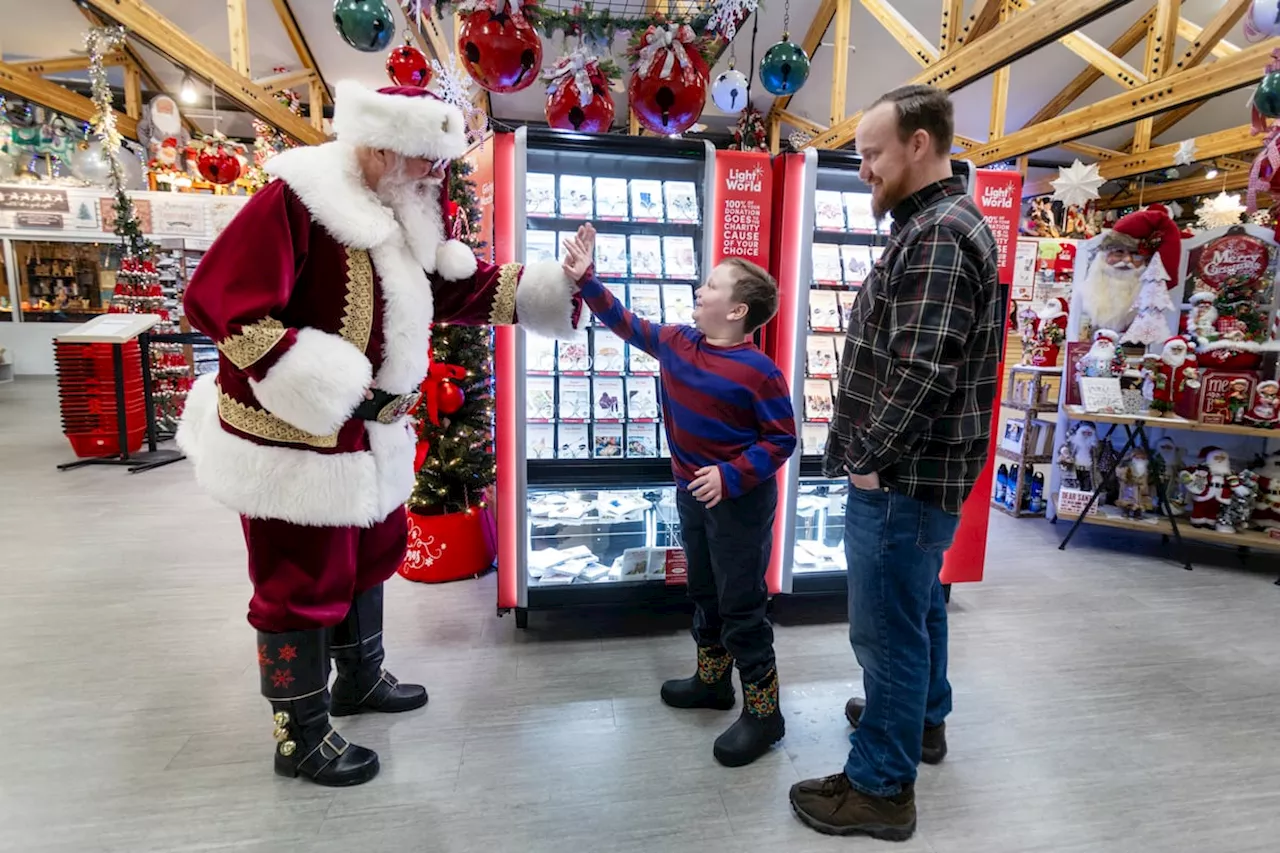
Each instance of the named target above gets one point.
<point>898,627</point>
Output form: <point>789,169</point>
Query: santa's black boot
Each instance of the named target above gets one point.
<point>362,684</point>
<point>295,678</point>
<point>710,687</point>
<point>758,728</point>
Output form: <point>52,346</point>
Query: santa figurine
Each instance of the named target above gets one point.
<point>1104,357</point>
<point>1266,511</point>
<point>1078,457</point>
<point>320,296</point>
<point>1110,286</point>
<point>1168,460</point>
<point>1202,320</point>
<point>1211,485</point>
<point>1164,380</point>
<point>1050,332</point>
<point>1264,411</point>
<point>1134,476</point>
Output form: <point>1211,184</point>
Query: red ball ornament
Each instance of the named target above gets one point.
<point>218,165</point>
<point>566,112</point>
<point>451,397</point>
<point>408,66</point>
<point>668,105</point>
<point>502,52</point>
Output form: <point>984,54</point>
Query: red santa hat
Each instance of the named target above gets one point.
<point>1185,341</point>
<point>1109,334</point>
<point>408,120</point>
<point>1053,309</point>
<point>1206,452</point>
<point>1149,231</point>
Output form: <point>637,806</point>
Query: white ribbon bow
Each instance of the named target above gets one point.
<point>574,66</point>
<point>672,40</point>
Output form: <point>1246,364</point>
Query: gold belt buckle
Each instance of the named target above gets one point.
<point>399,407</point>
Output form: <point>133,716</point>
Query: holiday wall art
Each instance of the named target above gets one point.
<point>1230,292</point>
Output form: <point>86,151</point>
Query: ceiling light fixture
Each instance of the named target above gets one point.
<point>188,91</point>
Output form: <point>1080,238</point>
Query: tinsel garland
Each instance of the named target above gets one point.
<point>749,134</point>
<point>1239,508</point>
<point>99,42</point>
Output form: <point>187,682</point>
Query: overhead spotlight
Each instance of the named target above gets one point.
<point>1211,172</point>
<point>188,91</point>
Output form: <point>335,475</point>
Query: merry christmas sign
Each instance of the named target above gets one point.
<point>1233,256</point>
<point>740,208</point>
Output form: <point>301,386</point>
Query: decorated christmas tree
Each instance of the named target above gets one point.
<point>749,134</point>
<point>1150,326</point>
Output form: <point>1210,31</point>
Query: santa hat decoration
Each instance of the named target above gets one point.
<point>408,120</point>
<point>1109,334</point>
<point>1053,309</point>
<point>1151,231</point>
<point>1201,296</point>
<point>1206,452</point>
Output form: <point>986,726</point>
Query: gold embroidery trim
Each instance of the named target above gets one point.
<point>253,342</point>
<point>504,300</point>
<point>357,317</point>
<point>262,424</point>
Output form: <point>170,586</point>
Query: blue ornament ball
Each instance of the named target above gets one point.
<point>784,68</point>
<point>366,25</point>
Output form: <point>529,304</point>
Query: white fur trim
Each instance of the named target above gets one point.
<point>1106,333</point>
<point>415,127</point>
<point>316,384</point>
<point>406,318</point>
<point>295,485</point>
<point>455,261</point>
<point>1201,296</point>
<point>393,447</point>
<point>1223,343</point>
<point>328,180</point>
<point>543,301</point>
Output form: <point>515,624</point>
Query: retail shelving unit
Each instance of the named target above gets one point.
<point>1030,397</point>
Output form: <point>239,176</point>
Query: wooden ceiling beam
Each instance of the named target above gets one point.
<point>964,143</point>
<point>952,21</point>
<point>34,88</point>
<point>169,40</point>
<point>813,36</point>
<point>291,28</point>
<point>1225,75</point>
<point>1161,44</point>
<point>1190,31</point>
<point>985,16</point>
<point>1000,85</point>
<point>801,123</point>
<point>840,55</point>
<point>238,30</point>
<point>898,26</point>
<point>287,80</point>
<point>69,63</point>
<point>1093,53</point>
<point>1022,35</point>
<point>1097,152</point>
<point>1174,190</point>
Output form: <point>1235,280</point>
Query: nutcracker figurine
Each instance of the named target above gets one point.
<point>1166,379</point>
<point>1211,486</point>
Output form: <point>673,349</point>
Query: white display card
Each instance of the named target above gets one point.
<point>847,300</point>
<point>640,363</point>
<point>608,353</point>
<point>574,442</point>
<point>540,441</point>
<point>540,398</point>
<point>573,356</point>
<point>609,398</point>
<point>682,201</point>
<point>677,303</point>
<point>646,256</point>
<point>824,311</point>
<point>608,441</point>
<point>646,201</point>
<point>540,246</point>
<point>820,360</point>
<point>828,210</point>
<point>813,439</point>
<point>642,441</point>
<point>611,198</point>
<point>826,264</point>
<point>611,255</point>
<point>575,398</point>
<point>576,197</point>
<point>539,354</point>
<point>680,258</point>
<point>664,449</point>
<point>540,194</point>
<point>646,301</point>
<point>818,405</point>
<point>1101,394</point>
<point>856,261</point>
<point>642,398</point>
<point>857,208</point>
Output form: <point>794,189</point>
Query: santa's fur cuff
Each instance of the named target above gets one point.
<point>544,301</point>
<point>316,384</point>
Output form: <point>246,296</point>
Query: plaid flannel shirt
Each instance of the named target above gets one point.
<point>918,377</point>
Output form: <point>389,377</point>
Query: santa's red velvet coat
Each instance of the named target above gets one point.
<point>315,293</point>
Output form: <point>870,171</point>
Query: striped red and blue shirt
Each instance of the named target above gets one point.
<point>723,406</point>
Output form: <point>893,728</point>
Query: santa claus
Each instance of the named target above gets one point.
<point>1166,379</point>
<point>1202,320</point>
<point>1050,332</point>
<point>1111,285</point>
<point>1078,457</point>
<point>1134,476</point>
<point>1266,513</point>
<point>1104,357</point>
<point>1211,485</point>
<point>320,296</point>
<point>1265,409</point>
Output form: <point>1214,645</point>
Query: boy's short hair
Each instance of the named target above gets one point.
<point>754,286</point>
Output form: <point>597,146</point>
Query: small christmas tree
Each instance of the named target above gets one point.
<point>1149,326</point>
<point>749,134</point>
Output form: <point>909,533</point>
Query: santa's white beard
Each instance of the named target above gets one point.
<point>416,205</point>
<point>1107,295</point>
<point>1138,468</point>
<point>1220,467</point>
<point>1082,451</point>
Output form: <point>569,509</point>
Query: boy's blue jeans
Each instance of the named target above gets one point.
<point>898,628</point>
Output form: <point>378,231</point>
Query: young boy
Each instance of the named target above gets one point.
<point>730,426</point>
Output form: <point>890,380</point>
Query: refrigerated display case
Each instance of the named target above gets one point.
<point>827,241</point>
<point>582,454</point>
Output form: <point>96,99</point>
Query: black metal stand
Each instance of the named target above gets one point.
<point>1137,434</point>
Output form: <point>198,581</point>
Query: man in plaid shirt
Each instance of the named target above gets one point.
<point>911,432</point>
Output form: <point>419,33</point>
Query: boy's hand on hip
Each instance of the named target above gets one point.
<point>708,485</point>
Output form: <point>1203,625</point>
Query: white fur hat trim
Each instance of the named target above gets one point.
<point>411,122</point>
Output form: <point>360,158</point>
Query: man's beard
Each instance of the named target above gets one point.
<point>1107,295</point>
<point>891,196</point>
<point>416,205</point>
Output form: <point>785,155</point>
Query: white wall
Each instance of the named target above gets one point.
<point>30,346</point>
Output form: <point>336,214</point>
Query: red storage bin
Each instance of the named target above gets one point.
<point>87,397</point>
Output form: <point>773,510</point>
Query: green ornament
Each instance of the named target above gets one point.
<point>366,25</point>
<point>1267,96</point>
<point>784,68</point>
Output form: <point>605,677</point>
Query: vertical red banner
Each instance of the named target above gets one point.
<point>481,159</point>
<point>999,197</point>
<point>740,207</point>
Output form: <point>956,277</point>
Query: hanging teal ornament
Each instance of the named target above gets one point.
<point>1267,96</point>
<point>366,25</point>
<point>784,68</point>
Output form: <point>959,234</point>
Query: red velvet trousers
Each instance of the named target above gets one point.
<point>306,577</point>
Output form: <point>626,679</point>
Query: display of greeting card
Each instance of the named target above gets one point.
<point>562,238</point>
<point>682,201</point>
<point>608,353</point>
<point>857,208</point>
<point>540,194</point>
<point>664,449</point>
<point>540,246</point>
<point>824,311</point>
<point>856,261</point>
<point>573,356</point>
<point>608,441</point>
<point>575,398</point>
<point>539,354</point>
<point>818,404</point>
<point>609,398</point>
<point>540,398</point>
<point>640,363</point>
<point>820,359</point>
<point>677,303</point>
<point>611,198</point>
<point>828,211</point>
<point>826,264</point>
<point>540,441</point>
<point>813,439</point>
<point>646,301</point>
<point>847,300</point>
<point>611,256</point>
<point>876,253</point>
<point>574,442</point>
<point>642,398</point>
<point>681,261</point>
<point>576,197</point>
<point>646,256</point>
<point>646,201</point>
<point>642,441</point>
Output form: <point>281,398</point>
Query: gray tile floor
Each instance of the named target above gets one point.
<point>1106,700</point>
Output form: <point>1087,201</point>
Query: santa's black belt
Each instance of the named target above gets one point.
<point>385,407</point>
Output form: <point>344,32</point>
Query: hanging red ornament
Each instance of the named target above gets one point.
<point>451,397</point>
<point>420,454</point>
<point>578,96</point>
<point>437,387</point>
<point>408,66</point>
<point>499,46</point>
<point>218,163</point>
<point>669,85</point>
